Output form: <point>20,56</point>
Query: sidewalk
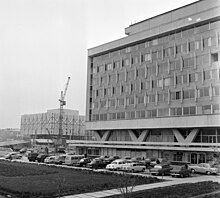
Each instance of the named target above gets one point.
<point>170,182</point>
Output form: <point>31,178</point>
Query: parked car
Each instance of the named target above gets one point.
<point>50,159</point>
<point>4,151</point>
<point>180,169</point>
<point>41,157</point>
<point>96,163</point>
<point>111,159</point>
<point>133,167</point>
<point>136,159</point>
<point>60,159</point>
<point>73,159</point>
<point>13,155</point>
<point>161,169</point>
<point>154,161</point>
<point>204,168</point>
<point>83,162</point>
<point>32,157</point>
<point>116,165</point>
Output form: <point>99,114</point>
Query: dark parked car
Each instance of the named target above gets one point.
<point>97,163</point>
<point>161,169</point>
<point>180,169</point>
<point>42,157</point>
<point>32,157</point>
<point>83,162</point>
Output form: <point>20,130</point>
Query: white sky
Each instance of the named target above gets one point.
<point>42,42</point>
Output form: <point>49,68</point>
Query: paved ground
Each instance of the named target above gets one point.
<point>170,181</point>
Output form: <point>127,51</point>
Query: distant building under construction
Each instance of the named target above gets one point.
<point>44,125</point>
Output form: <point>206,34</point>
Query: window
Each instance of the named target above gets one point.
<point>109,66</point>
<point>214,57</point>
<point>204,91</point>
<point>121,101</point>
<point>103,103</point>
<point>178,95</point>
<point>112,116</point>
<point>179,79</point>
<point>151,98</point>
<point>131,114</point>
<point>160,97</point>
<point>113,90</point>
<point>147,57</point>
<point>131,100</point>
<point>191,46</point>
<point>116,65</point>
<point>134,60</point>
<point>120,115</point>
<point>185,78</point>
<point>140,114</point>
<point>178,49</point>
<point>206,109</point>
<point>188,62</point>
<point>163,112</point>
<point>187,94</point>
<point>207,42</point>
<point>193,77</point>
<point>197,45</point>
<point>111,102</point>
<point>216,91</point>
<point>207,75</point>
<point>167,82</point>
<point>152,113</point>
<point>216,108</point>
<point>140,99</point>
<point>154,83</point>
<point>189,110</point>
<point>177,111</point>
<point>160,82</point>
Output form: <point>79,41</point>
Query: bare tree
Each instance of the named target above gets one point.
<point>126,185</point>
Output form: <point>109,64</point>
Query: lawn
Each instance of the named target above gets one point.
<point>179,191</point>
<point>33,180</point>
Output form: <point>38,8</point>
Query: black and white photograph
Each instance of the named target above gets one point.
<point>109,98</point>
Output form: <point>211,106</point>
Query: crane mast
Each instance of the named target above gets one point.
<point>62,104</point>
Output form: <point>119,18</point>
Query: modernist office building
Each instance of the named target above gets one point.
<point>45,125</point>
<point>155,92</point>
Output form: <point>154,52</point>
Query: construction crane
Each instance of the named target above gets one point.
<point>60,141</point>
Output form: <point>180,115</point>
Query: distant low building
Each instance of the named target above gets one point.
<point>45,125</point>
<point>9,134</point>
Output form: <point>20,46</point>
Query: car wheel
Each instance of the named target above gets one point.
<point>181,175</point>
<point>132,170</point>
<point>193,171</point>
<point>208,172</point>
<point>143,170</point>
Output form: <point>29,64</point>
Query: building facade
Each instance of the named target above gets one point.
<point>44,125</point>
<point>155,92</point>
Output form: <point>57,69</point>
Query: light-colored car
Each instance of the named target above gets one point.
<point>116,165</point>
<point>60,159</point>
<point>50,159</point>
<point>133,167</point>
<point>73,159</point>
<point>204,168</point>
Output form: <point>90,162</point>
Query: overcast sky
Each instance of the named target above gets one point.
<point>42,42</point>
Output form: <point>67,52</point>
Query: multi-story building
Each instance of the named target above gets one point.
<point>44,125</point>
<point>155,92</point>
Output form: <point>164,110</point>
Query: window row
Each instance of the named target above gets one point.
<point>154,69</point>
<point>198,43</point>
<point>139,85</point>
<point>158,97</point>
<point>163,112</point>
